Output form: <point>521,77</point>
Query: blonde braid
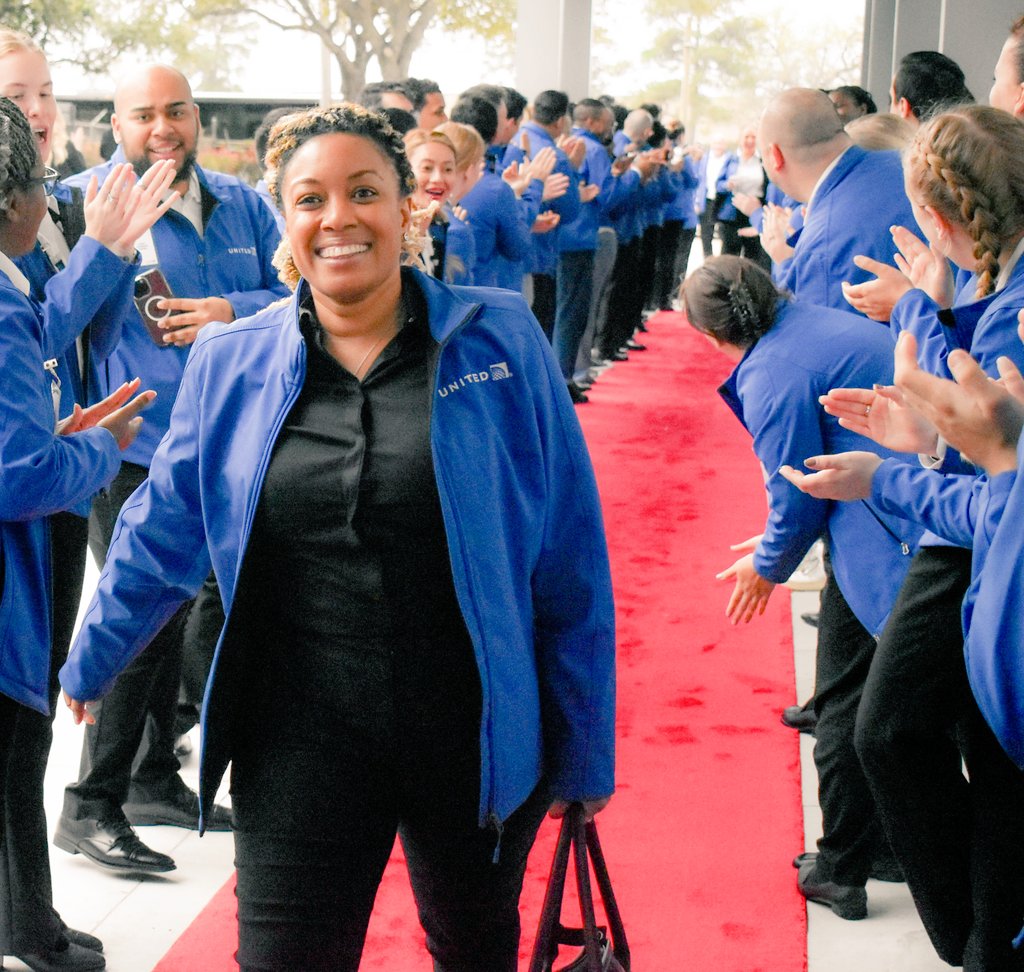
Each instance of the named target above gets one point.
<point>963,163</point>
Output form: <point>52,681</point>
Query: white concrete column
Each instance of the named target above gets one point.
<point>553,47</point>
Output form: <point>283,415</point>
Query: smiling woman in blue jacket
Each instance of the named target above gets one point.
<point>41,473</point>
<point>788,354</point>
<point>388,479</point>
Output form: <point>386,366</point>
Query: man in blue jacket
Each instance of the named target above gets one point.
<point>214,248</point>
<point>853,197</point>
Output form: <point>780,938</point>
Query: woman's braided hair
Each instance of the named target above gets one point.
<point>965,164</point>
<point>19,152</point>
<point>732,299</point>
<point>293,131</point>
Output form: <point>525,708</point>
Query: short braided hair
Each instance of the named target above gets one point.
<point>293,131</point>
<point>964,163</point>
<point>732,299</point>
<point>19,152</point>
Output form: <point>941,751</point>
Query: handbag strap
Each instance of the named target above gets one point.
<point>591,942</point>
<point>616,930</point>
<point>545,948</point>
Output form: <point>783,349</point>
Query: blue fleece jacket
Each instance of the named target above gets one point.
<point>851,214</point>
<point>774,392</point>
<point>520,508</point>
<point>40,473</point>
<point>232,259</point>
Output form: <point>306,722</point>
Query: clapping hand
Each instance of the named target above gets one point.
<point>121,210</point>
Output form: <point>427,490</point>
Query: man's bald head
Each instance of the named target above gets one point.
<point>800,136</point>
<point>638,125</point>
<point>802,120</point>
<point>139,81</point>
<point>155,117</point>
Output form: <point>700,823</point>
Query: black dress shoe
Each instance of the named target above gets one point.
<point>620,355</point>
<point>82,938</point>
<point>887,869</point>
<point>576,393</point>
<point>846,900</point>
<point>111,844</point>
<point>178,808</point>
<point>632,345</point>
<point>74,958</point>
<point>800,717</point>
<point>810,618</point>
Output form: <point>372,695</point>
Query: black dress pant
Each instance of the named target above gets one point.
<point>384,740</point>
<point>665,281</point>
<point>708,219</point>
<point>28,922</point>
<point>620,323</point>
<point>146,689</point>
<point>545,303</point>
<point>960,843</point>
<point>851,831</point>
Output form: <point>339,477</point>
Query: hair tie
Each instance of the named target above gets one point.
<point>741,301</point>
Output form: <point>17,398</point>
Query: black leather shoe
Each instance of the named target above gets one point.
<point>74,958</point>
<point>178,809</point>
<point>111,844</point>
<point>576,393</point>
<point>800,717</point>
<point>846,901</point>
<point>810,618</point>
<point>887,870</point>
<point>632,345</point>
<point>82,938</point>
<point>620,355</point>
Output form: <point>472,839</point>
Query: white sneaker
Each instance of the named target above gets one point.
<point>810,575</point>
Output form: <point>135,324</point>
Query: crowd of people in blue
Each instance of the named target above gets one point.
<point>320,435</point>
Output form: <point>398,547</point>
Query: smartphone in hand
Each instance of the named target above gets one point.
<point>150,288</point>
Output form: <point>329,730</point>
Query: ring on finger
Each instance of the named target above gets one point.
<point>867,411</point>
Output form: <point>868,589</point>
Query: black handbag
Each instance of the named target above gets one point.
<point>601,952</point>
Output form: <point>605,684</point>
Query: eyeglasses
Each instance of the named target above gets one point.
<point>47,180</point>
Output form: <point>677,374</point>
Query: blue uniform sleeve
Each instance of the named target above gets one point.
<point>42,473</point>
<point>946,505</point>
<point>95,288</point>
<point>917,313</point>
<point>158,557</point>
<point>567,206</point>
<point>785,432</point>
<point>574,615</point>
<point>512,236</point>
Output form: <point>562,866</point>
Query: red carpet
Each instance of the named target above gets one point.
<point>707,816</point>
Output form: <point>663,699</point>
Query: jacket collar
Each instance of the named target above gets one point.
<point>446,310</point>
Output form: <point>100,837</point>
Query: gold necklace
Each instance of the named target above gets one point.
<point>359,366</point>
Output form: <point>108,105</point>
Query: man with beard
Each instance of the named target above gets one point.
<point>214,248</point>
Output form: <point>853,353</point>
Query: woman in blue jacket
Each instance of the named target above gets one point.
<point>959,841</point>
<point>41,473</point>
<point>388,479</point>
<point>788,354</point>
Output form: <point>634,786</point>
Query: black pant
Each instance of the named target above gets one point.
<point>200,633</point>
<point>28,922</point>
<point>146,689</point>
<point>384,740</point>
<point>708,219</point>
<point>960,844</point>
<point>619,325</point>
<point>666,283</point>
<point>851,831</point>
<point>545,303</point>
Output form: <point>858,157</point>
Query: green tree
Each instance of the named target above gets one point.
<point>357,32</point>
<point>94,34</point>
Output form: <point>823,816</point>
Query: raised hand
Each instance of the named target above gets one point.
<point>882,415</point>
<point>844,476</point>
<point>122,209</point>
<point>980,417</point>
<point>876,298</point>
<point>924,266</point>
